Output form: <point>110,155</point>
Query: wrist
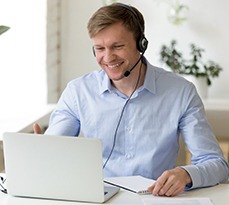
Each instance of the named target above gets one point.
<point>187,177</point>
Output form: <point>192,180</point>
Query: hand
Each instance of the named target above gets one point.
<point>37,129</point>
<point>171,182</point>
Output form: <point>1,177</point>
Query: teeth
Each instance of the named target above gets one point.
<point>113,66</point>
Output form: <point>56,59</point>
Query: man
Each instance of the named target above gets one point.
<point>138,110</point>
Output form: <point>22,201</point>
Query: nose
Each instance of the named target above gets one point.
<point>109,55</point>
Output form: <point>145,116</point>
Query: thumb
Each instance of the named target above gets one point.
<point>151,188</point>
<point>37,129</point>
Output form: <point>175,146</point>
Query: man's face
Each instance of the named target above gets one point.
<point>115,49</point>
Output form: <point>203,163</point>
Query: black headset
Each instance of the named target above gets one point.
<point>142,42</point>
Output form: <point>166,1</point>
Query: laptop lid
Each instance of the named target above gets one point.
<point>54,167</point>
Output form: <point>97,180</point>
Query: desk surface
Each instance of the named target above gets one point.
<point>218,194</point>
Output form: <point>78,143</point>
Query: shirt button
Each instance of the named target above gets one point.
<point>128,129</point>
<point>128,156</point>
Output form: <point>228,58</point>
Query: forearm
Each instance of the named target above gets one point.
<point>208,173</point>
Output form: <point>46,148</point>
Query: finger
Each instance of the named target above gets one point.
<point>168,186</point>
<point>157,188</point>
<point>159,184</point>
<point>172,187</point>
<point>169,191</point>
<point>179,179</point>
<point>37,129</point>
<point>151,187</point>
<point>174,190</point>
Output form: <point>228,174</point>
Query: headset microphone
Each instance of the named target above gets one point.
<point>127,73</point>
<point>142,45</point>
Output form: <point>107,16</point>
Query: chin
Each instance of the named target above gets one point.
<point>116,77</point>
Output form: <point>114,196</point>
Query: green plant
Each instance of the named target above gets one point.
<point>193,66</point>
<point>3,29</point>
<point>177,13</point>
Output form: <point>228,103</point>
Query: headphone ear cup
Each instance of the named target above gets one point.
<point>142,44</point>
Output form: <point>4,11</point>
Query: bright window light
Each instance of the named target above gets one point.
<point>23,86</point>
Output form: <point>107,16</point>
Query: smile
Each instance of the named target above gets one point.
<point>114,65</point>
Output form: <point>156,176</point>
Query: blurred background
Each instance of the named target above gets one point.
<point>47,45</point>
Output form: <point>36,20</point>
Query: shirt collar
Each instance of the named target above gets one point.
<point>150,77</point>
<point>105,83</point>
<point>149,82</point>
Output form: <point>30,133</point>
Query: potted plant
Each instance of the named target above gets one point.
<point>3,29</point>
<point>194,66</point>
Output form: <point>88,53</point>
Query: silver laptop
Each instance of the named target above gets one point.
<point>55,167</point>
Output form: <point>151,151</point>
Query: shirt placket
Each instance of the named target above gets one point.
<point>129,140</point>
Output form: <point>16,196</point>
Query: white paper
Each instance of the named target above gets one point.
<point>135,183</point>
<point>175,201</point>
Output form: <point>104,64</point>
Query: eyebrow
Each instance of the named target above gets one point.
<point>113,44</point>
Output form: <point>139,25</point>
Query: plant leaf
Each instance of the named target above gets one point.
<point>193,66</point>
<point>3,29</point>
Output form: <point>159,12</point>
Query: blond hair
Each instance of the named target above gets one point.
<point>131,18</point>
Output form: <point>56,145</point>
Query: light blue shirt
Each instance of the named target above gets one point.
<point>147,141</point>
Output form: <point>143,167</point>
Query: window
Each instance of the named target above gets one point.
<point>23,86</point>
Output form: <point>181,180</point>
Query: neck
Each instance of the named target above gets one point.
<point>129,84</point>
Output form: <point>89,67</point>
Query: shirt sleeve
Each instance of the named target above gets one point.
<point>208,166</point>
<point>64,119</point>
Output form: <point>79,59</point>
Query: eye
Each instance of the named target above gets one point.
<point>99,49</point>
<point>118,46</point>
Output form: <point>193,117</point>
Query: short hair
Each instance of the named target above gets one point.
<point>131,18</point>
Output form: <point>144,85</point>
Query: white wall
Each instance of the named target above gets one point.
<point>206,27</point>
<point>76,54</point>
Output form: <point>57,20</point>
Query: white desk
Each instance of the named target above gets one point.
<point>218,194</point>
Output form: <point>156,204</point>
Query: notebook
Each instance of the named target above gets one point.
<point>55,167</point>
